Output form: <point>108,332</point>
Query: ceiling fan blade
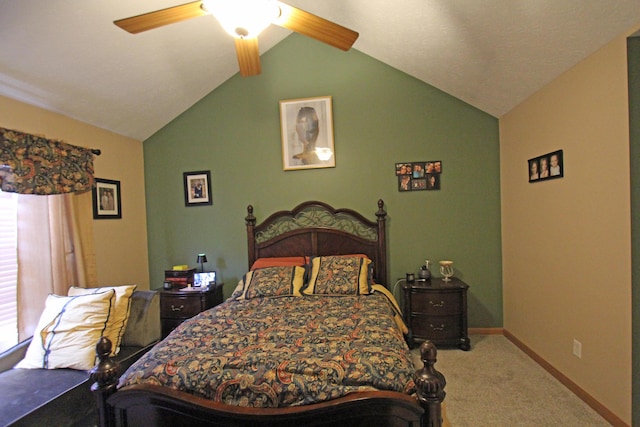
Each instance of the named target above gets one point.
<point>159,18</point>
<point>315,27</point>
<point>248,56</point>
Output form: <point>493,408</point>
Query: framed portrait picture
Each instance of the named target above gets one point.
<point>106,199</point>
<point>197,188</point>
<point>307,133</point>
<point>547,166</point>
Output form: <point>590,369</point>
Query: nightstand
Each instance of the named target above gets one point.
<point>436,310</point>
<point>177,305</point>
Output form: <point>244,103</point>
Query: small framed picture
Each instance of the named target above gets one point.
<point>403,169</point>
<point>548,166</point>
<point>106,199</point>
<point>197,188</point>
<point>418,184</point>
<point>204,279</point>
<point>404,182</point>
<point>433,166</point>
<point>433,181</point>
<point>417,170</point>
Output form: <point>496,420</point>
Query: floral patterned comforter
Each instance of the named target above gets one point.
<point>285,351</point>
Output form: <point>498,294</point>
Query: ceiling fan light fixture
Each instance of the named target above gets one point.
<point>243,18</point>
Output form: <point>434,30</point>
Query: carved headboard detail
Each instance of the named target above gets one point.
<point>315,229</point>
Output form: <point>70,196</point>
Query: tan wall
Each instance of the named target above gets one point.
<point>121,245</point>
<point>566,242</point>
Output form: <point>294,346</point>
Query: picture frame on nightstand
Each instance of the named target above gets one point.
<point>204,279</point>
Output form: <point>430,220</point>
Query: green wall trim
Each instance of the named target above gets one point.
<point>381,116</point>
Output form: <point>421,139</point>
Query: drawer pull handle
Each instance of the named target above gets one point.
<point>436,304</point>
<point>436,328</point>
<point>174,308</point>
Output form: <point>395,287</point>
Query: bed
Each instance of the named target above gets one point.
<point>310,337</point>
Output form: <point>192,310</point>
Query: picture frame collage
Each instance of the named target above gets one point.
<point>419,176</point>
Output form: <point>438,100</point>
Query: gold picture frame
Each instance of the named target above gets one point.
<point>307,133</point>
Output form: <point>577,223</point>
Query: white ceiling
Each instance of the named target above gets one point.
<point>67,56</point>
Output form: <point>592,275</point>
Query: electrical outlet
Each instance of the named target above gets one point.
<point>577,348</point>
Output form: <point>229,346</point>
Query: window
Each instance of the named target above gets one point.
<point>8,270</point>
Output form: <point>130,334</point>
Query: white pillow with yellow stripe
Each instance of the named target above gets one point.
<point>68,331</point>
<point>119,316</point>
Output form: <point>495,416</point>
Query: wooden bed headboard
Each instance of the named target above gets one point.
<point>316,229</point>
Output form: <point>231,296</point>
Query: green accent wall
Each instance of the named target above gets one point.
<point>381,116</point>
<point>633,60</point>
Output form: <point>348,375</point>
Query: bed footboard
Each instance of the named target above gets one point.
<point>149,405</point>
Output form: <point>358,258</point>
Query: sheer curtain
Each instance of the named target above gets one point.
<point>55,251</point>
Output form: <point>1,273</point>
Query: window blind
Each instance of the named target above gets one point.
<point>8,270</point>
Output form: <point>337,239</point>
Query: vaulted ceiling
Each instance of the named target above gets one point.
<point>67,56</point>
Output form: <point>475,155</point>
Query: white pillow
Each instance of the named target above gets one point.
<point>68,331</point>
<point>119,311</point>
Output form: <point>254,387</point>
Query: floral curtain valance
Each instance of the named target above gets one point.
<point>31,164</point>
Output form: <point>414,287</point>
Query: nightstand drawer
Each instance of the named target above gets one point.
<point>436,327</point>
<point>177,307</point>
<point>436,303</point>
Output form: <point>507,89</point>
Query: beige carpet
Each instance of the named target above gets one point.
<point>496,384</point>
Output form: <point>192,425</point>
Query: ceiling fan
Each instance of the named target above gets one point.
<point>244,20</point>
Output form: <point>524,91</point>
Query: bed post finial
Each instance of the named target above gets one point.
<point>430,385</point>
<point>105,374</point>
<point>381,212</point>
<point>250,221</point>
<point>250,218</point>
